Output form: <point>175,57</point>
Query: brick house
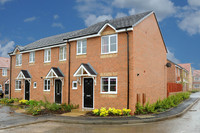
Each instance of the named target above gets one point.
<point>4,75</point>
<point>177,74</point>
<point>188,67</point>
<point>196,79</point>
<point>113,63</point>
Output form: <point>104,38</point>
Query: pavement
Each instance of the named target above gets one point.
<point>10,119</point>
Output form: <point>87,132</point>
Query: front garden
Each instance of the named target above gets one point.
<point>33,107</point>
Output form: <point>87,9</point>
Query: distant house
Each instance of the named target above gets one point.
<point>114,63</point>
<point>188,67</point>
<point>177,74</point>
<point>196,79</point>
<point>4,75</point>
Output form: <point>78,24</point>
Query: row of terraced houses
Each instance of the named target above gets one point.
<point>114,63</point>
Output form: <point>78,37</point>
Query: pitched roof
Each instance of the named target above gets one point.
<point>196,72</point>
<point>187,66</point>
<point>4,62</point>
<point>177,65</point>
<point>119,23</point>
<point>58,72</point>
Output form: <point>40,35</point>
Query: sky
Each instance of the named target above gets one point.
<point>25,21</point>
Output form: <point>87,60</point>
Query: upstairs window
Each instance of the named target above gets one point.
<point>196,79</point>
<point>32,57</point>
<point>18,85</point>
<point>109,44</point>
<point>47,55</point>
<point>62,53</point>
<point>81,47</point>
<point>18,59</point>
<point>47,85</point>
<point>4,72</point>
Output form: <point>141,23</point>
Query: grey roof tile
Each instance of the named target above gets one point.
<point>118,23</point>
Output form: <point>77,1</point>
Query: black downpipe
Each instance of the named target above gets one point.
<point>127,69</point>
<point>69,73</point>
<point>10,75</point>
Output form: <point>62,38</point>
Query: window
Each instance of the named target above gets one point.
<point>35,85</point>
<point>18,59</point>
<point>196,79</point>
<point>196,86</point>
<point>81,47</point>
<point>0,87</point>
<point>62,53</point>
<point>109,85</point>
<point>4,72</point>
<point>18,85</point>
<point>32,57</point>
<point>109,44</point>
<point>74,84</point>
<point>47,55</point>
<point>47,85</point>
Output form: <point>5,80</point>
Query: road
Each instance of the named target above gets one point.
<point>188,123</point>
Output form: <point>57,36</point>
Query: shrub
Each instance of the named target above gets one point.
<point>54,107</point>
<point>23,102</point>
<point>6,101</point>
<point>103,112</point>
<point>162,105</point>
<point>34,110</point>
<point>96,112</point>
<point>126,112</point>
<point>66,108</point>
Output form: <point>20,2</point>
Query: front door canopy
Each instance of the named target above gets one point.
<point>85,70</point>
<point>55,73</point>
<point>24,74</point>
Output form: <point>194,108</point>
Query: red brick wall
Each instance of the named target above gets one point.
<point>171,73</point>
<point>149,71</point>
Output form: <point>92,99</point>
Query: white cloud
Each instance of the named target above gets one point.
<point>162,8</point>
<point>171,56</point>
<point>132,11</point>
<point>6,47</point>
<point>55,16</point>
<point>92,19</point>
<point>190,22</point>
<point>58,25</point>
<point>194,2</point>
<point>2,2</point>
<point>30,19</point>
<point>120,14</point>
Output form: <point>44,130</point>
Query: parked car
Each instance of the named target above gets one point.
<point>1,93</point>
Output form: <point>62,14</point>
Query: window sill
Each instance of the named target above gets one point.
<point>62,60</point>
<point>46,90</point>
<point>47,61</point>
<point>18,89</point>
<point>81,56</point>
<point>109,93</point>
<point>74,88</point>
<point>108,55</point>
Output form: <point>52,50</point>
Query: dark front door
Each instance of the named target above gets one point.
<point>27,90</point>
<point>58,91</point>
<point>6,89</point>
<point>88,92</point>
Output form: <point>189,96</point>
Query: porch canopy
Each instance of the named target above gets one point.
<point>24,75</point>
<point>55,73</point>
<point>85,70</point>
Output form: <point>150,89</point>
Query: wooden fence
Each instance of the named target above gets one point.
<point>174,87</point>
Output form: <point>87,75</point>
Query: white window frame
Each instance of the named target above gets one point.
<point>81,41</point>
<point>17,87</point>
<point>4,72</point>
<point>32,57</point>
<point>46,51</point>
<point>74,88</point>
<point>109,92</point>
<point>196,79</point>
<point>34,84</point>
<point>48,89</point>
<point>18,59</point>
<point>109,36</point>
<point>195,86</point>
<point>64,56</point>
